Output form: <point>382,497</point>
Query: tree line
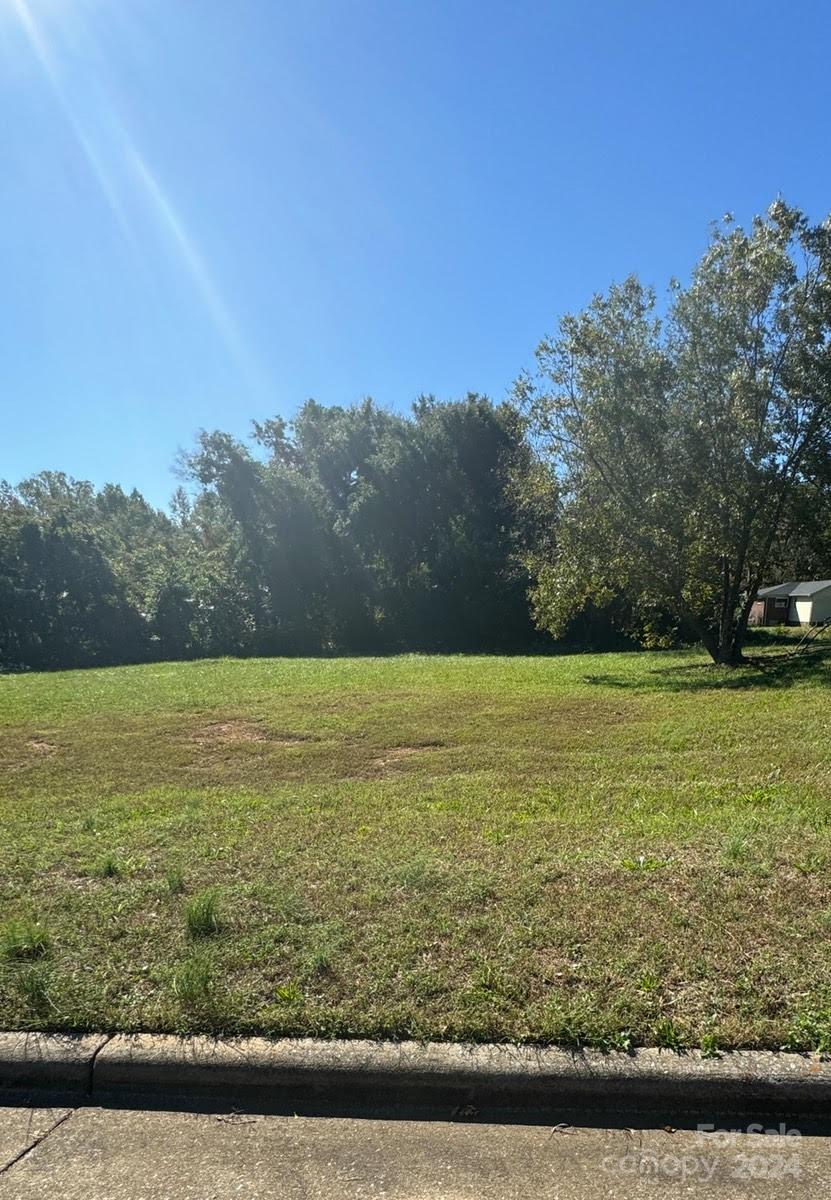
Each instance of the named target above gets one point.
<point>355,530</point>
<point>658,466</point>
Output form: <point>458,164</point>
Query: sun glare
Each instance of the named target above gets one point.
<point>130,188</point>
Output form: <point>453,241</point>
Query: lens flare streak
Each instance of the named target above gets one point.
<point>167,218</point>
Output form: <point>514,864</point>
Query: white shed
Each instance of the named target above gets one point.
<point>806,603</point>
<point>811,603</point>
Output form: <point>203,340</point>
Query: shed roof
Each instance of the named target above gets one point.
<point>807,588</point>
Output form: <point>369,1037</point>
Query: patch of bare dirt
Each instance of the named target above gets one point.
<point>41,746</point>
<point>66,878</point>
<point>226,733</point>
<point>396,754</point>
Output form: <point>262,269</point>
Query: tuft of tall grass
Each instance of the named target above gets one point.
<point>33,986</point>
<point>23,939</point>
<point>193,985</point>
<point>175,880</point>
<point>736,849</point>
<point>202,915</point>
<point>108,867</point>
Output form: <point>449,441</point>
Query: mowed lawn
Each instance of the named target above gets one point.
<point>589,849</point>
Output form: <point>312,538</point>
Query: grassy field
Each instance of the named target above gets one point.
<point>595,849</point>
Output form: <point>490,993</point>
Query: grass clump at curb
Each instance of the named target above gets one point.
<point>202,915</point>
<point>668,1036</point>
<point>709,1046</point>
<point>810,1031</point>
<point>23,939</point>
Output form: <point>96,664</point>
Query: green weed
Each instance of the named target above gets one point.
<point>289,993</point>
<point>709,1046</point>
<point>810,1031</point>
<point>667,1035</point>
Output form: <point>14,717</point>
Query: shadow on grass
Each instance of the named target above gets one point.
<point>779,670</point>
<point>774,635</point>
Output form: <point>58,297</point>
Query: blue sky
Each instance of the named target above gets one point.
<point>213,210</point>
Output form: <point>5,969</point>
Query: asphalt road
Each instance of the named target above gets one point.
<point>93,1153</point>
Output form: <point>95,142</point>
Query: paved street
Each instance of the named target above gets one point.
<point>112,1154</point>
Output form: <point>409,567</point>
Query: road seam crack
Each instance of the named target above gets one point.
<point>6,1167</point>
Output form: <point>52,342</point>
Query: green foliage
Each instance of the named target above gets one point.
<point>289,993</point>
<point>355,529</point>
<point>736,849</point>
<point>688,447</point>
<point>649,983</point>
<point>61,602</point>
<point>34,986</point>
<point>709,1046</point>
<point>810,1031</point>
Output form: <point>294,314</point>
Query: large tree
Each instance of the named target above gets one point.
<point>686,442</point>
<point>381,531</point>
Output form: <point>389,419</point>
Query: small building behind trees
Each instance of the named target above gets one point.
<point>805,603</point>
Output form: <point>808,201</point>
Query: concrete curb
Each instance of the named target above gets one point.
<point>308,1075</point>
<point>60,1062</point>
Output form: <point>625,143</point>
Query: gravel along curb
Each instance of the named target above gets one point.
<point>316,1076</point>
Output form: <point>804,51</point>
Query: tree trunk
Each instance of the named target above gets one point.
<point>724,648</point>
<point>740,631</point>
<point>730,653</point>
